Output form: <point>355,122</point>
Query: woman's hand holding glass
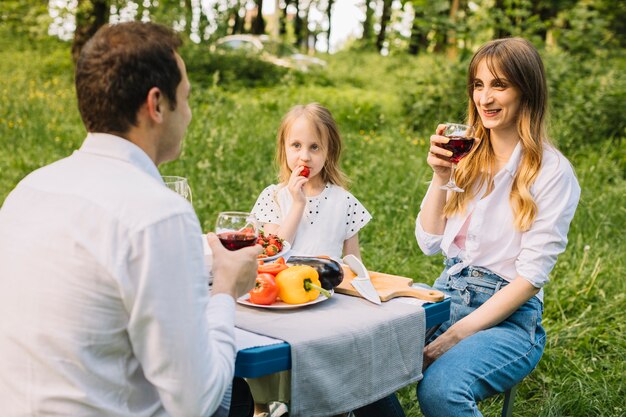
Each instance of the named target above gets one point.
<point>438,156</point>
<point>452,142</point>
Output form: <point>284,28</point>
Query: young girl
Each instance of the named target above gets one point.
<point>310,207</point>
<point>501,237</point>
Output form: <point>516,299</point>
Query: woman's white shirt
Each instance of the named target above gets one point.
<point>329,219</point>
<point>492,240</point>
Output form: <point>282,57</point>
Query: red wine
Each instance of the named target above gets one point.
<point>234,241</point>
<point>459,146</point>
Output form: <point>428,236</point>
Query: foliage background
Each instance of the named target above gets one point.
<point>386,108</point>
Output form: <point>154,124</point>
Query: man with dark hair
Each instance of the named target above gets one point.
<point>104,308</point>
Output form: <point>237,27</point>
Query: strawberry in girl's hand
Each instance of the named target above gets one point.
<point>305,172</point>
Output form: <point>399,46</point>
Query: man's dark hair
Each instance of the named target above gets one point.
<point>117,68</point>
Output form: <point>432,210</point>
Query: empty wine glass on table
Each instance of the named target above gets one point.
<point>179,185</point>
<point>237,229</point>
<point>460,144</point>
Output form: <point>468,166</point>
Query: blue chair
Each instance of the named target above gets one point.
<point>509,399</point>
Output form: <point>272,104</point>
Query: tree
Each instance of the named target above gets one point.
<point>302,22</point>
<point>441,20</point>
<point>329,17</point>
<point>25,17</point>
<point>258,23</point>
<point>384,21</point>
<point>283,19</point>
<point>368,23</point>
<point>188,17</point>
<point>498,14</point>
<point>238,21</point>
<point>90,16</point>
<point>419,28</point>
<point>457,12</point>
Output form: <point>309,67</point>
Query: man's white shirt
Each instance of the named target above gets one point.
<point>104,306</point>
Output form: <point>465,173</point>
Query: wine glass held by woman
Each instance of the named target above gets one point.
<point>500,238</point>
<point>455,142</point>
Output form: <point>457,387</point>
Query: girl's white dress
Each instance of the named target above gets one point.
<point>329,219</point>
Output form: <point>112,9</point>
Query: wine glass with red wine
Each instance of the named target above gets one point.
<point>236,229</point>
<point>460,144</point>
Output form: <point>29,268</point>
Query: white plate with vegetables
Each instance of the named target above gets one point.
<point>280,305</point>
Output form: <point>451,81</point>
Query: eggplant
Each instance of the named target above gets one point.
<point>330,272</point>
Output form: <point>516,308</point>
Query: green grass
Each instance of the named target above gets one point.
<point>228,157</point>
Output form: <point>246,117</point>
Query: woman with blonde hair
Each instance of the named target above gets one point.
<point>501,237</point>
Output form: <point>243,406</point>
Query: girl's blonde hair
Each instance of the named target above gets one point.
<point>327,133</point>
<point>518,61</point>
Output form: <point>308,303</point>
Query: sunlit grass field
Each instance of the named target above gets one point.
<point>228,158</point>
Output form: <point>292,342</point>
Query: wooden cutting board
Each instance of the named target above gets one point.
<point>388,287</point>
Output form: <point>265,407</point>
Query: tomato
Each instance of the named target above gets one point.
<point>265,290</point>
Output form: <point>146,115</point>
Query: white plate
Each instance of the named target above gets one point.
<point>286,248</point>
<point>279,305</point>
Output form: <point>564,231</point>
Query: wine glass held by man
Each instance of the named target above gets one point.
<point>105,306</point>
<point>236,229</point>
<point>500,238</point>
<point>180,185</point>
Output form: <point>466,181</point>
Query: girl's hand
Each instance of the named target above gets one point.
<point>438,158</point>
<point>295,185</point>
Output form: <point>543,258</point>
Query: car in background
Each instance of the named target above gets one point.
<point>275,52</point>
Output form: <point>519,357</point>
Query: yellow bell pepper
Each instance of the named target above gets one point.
<point>299,284</point>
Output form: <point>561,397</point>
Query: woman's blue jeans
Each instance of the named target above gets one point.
<point>488,362</point>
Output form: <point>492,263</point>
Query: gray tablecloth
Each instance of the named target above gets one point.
<point>345,352</point>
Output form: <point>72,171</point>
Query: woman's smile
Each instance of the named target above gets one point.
<point>490,112</point>
<point>497,101</point>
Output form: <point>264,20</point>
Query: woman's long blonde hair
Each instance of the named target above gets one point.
<point>518,61</point>
<point>327,133</point>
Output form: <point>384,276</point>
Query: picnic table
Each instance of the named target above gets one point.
<point>343,353</point>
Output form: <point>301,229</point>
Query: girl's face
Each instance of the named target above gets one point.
<point>497,101</point>
<point>304,148</point>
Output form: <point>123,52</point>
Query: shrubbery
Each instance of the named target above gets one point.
<point>587,99</point>
<point>438,93</point>
<point>234,70</point>
<point>239,69</point>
